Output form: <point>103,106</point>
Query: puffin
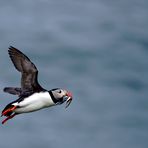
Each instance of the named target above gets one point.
<point>31,95</point>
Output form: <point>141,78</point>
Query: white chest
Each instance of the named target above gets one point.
<point>34,102</point>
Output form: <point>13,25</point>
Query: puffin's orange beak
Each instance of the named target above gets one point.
<point>69,99</point>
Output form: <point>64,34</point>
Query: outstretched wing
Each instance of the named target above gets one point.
<point>29,72</point>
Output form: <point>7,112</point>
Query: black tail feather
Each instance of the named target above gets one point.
<point>7,107</point>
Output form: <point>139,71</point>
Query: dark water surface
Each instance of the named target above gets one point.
<point>98,49</point>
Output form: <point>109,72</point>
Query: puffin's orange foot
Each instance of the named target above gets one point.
<point>11,109</point>
<point>10,117</point>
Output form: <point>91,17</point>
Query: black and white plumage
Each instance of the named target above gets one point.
<point>32,96</point>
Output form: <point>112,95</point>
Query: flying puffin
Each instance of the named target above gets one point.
<point>32,96</point>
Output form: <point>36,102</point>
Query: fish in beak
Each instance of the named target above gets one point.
<point>69,99</point>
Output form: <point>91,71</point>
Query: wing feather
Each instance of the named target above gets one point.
<point>29,72</point>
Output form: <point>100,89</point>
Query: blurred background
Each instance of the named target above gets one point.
<point>97,49</point>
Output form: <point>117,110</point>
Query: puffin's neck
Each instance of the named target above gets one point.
<point>52,97</point>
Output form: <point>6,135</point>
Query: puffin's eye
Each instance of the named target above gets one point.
<point>60,91</point>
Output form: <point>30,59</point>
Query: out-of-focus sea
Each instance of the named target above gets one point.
<point>97,49</point>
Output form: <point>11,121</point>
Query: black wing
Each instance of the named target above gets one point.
<point>22,63</point>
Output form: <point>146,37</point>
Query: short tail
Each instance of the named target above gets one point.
<point>13,90</point>
<point>8,112</point>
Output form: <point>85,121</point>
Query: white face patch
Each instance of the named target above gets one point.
<point>58,93</point>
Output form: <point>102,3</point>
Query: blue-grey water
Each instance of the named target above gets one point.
<point>97,49</point>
